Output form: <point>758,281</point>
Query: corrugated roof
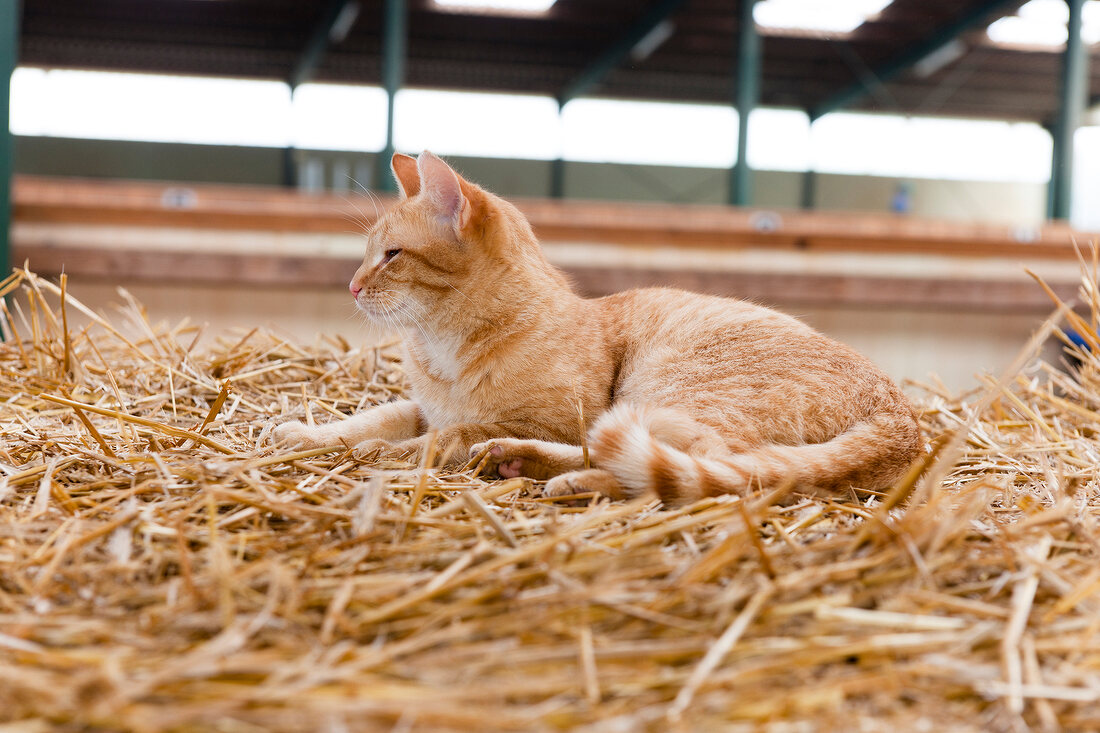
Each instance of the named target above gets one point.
<point>264,39</point>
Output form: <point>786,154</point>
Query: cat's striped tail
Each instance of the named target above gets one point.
<point>643,448</point>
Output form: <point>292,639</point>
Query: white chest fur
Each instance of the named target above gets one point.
<point>445,394</point>
<point>438,355</point>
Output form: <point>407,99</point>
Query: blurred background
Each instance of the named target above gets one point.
<point>902,161</point>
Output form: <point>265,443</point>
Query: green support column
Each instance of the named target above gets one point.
<point>557,178</point>
<point>809,189</point>
<point>290,166</point>
<point>9,42</point>
<point>622,49</point>
<point>394,38</point>
<point>1072,106</point>
<point>332,27</point>
<point>557,168</point>
<point>748,95</point>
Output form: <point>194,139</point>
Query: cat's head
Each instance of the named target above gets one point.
<point>429,257</point>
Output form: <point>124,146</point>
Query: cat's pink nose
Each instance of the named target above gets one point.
<point>355,289</point>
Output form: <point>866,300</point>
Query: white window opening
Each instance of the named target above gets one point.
<point>157,108</point>
<point>814,17</point>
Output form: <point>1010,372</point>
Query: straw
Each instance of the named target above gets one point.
<point>163,566</point>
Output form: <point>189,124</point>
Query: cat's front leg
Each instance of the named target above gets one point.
<point>451,445</point>
<point>537,459</point>
<point>392,422</point>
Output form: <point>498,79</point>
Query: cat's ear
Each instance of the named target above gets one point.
<point>442,186</point>
<point>406,174</point>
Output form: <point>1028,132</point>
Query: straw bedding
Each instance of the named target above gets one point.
<point>160,571</point>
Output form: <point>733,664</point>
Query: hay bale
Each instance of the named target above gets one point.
<point>158,571</point>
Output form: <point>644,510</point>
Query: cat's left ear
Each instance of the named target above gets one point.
<point>442,186</point>
<point>406,174</point>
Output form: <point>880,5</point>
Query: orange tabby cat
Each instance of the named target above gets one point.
<point>685,395</point>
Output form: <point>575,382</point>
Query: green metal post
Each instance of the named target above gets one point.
<point>290,166</point>
<point>557,178</point>
<point>748,95</point>
<point>1072,106</point>
<point>394,39</point>
<point>557,167</point>
<point>9,42</point>
<point>613,56</point>
<point>332,27</point>
<point>809,189</point>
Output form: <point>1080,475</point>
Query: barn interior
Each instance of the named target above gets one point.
<point>184,188</point>
<point>905,165</point>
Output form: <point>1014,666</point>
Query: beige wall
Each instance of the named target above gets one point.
<point>908,344</point>
<point>1010,203</point>
<point>1022,204</point>
<point>912,344</point>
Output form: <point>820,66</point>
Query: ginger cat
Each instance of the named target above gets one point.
<point>684,395</point>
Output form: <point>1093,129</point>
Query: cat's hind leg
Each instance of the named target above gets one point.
<point>644,448</point>
<point>537,459</point>
<point>592,480</point>
<point>664,451</point>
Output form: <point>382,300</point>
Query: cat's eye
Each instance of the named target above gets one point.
<point>390,254</point>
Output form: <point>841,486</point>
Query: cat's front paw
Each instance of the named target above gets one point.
<point>300,436</point>
<point>537,459</point>
<point>373,449</point>
<point>499,457</point>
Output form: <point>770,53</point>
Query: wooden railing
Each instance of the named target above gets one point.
<point>240,207</point>
<point>42,203</point>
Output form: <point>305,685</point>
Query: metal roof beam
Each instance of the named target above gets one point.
<point>617,52</point>
<point>892,68</point>
<point>332,27</point>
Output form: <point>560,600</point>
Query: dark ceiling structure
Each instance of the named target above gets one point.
<point>577,46</point>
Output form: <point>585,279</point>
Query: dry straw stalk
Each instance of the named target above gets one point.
<point>163,568</point>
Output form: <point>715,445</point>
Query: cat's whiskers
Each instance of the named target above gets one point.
<point>361,223</point>
<point>355,180</point>
<point>442,356</point>
<point>387,317</point>
<point>452,287</point>
<point>419,326</point>
<point>390,312</point>
<point>362,220</point>
<point>378,209</point>
<point>416,311</point>
<point>350,233</point>
<point>413,311</point>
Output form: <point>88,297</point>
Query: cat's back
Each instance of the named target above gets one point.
<point>689,348</point>
<point>670,316</point>
<point>728,334</point>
